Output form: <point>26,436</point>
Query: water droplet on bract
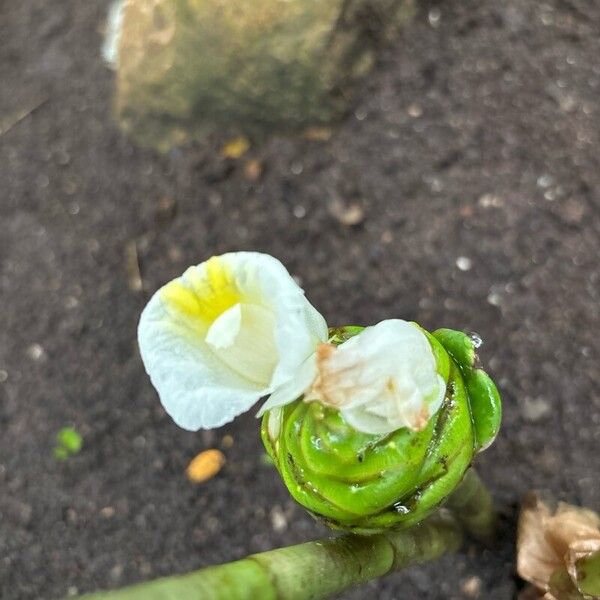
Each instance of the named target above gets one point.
<point>401,509</point>
<point>476,340</point>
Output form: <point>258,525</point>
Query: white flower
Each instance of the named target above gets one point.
<point>226,333</point>
<point>382,379</point>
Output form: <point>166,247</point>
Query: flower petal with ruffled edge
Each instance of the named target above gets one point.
<point>382,379</point>
<point>226,333</point>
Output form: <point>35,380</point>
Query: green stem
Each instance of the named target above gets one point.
<point>307,571</point>
<point>473,507</point>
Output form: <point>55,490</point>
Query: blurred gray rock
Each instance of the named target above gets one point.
<point>188,68</point>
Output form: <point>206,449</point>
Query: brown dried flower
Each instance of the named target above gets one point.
<point>551,546</point>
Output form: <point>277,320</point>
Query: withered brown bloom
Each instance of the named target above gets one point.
<point>552,548</point>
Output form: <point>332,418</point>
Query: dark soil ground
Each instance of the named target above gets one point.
<point>474,151</point>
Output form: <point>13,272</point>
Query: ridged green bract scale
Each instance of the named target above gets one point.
<point>367,483</point>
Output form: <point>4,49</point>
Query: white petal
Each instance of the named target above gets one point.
<point>252,353</point>
<point>224,334</point>
<point>196,388</point>
<point>366,422</point>
<point>294,388</point>
<point>382,379</point>
<point>298,326</point>
<point>225,329</point>
<point>274,422</point>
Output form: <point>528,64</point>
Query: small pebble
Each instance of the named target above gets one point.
<point>471,587</point>
<point>437,185</point>
<point>165,211</point>
<point>415,111</point>
<point>71,302</point>
<point>299,211</point>
<point>434,16</point>
<point>71,516</point>
<point>278,519</point>
<point>535,409</point>
<point>464,263</point>
<point>107,512</point>
<point>175,254</point>
<point>253,170</point>
<point>387,237</point>
<point>490,201</point>
<point>494,299</point>
<point>318,134</point>
<point>347,214</point>
<point>36,352</point>
<point>544,181</point>
<point>227,441</point>
<point>205,466</point>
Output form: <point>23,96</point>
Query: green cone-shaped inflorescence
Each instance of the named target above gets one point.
<point>365,482</point>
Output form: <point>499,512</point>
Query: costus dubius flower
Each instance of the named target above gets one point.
<point>226,333</point>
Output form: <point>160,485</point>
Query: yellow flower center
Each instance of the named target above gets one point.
<point>237,325</point>
<point>207,297</point>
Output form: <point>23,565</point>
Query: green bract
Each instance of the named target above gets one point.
<point>367,483</point>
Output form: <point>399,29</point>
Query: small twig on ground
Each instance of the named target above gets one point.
<point>132,267</point>
<point>9,122</point>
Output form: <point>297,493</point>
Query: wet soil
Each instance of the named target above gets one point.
<point>472,153</point>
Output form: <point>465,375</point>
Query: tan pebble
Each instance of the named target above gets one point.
<point>253,170</point>
<point>205,466</point>
<point>278,519</point>
<point>347,214</point>
<point>318,134</point>
<point>415,111</point>
<point>471,587</point>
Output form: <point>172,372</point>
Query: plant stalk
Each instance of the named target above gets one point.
<point>472,505</point>
<point>307,571</point>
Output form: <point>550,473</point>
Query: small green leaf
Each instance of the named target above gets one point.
<point>68,442</point>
